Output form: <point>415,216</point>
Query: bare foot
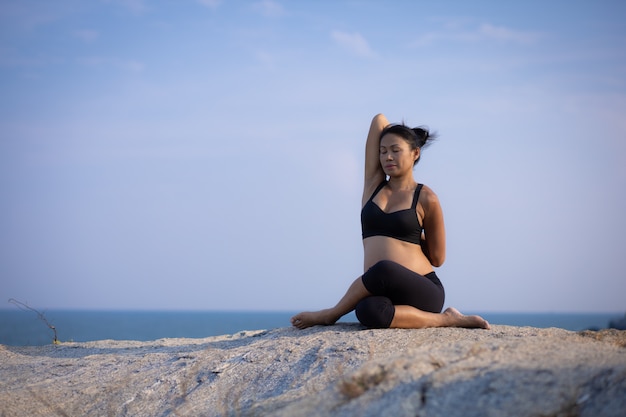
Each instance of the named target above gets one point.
<point>312,318</point>
<point>457,319</point>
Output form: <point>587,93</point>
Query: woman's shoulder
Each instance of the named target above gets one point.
<point>427,196</point>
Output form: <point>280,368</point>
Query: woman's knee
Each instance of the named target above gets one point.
<point>375,312</point>
<point>375,278</point>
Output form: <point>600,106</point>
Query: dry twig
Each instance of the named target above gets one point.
<point>42,317</point>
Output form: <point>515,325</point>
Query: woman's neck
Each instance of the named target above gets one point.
<point>401,183</point>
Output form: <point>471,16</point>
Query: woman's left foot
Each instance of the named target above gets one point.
<point>456,319</point>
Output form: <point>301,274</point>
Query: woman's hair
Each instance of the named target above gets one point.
<point>417,137</point>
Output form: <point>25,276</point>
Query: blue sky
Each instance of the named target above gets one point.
<point>206,154</point>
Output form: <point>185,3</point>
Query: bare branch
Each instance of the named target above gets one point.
<point>23,306</point>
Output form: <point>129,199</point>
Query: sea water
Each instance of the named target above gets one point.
<point>26,328</point>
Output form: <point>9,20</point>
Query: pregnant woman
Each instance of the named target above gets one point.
<point>403,238</point>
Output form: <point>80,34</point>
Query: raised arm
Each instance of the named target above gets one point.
<point>373,171</point>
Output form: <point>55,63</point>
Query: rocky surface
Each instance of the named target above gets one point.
<point>342,370</point>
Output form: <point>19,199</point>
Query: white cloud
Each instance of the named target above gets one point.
<point>10,57</point>
<point>353,42</point>
<point>266,59</point>
<point>213,4</point>
<point>87,35</point>
<point>269,8</point>
<point>25,16</point>
<point>122,64</point>
<point>130,65</point>
<point>135,6</point>
<point>485,32</point>
<point>501,33</point>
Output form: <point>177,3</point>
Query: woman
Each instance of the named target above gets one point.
<point>403,238</point>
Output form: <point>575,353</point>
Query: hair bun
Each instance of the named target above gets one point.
<point>422,136</point>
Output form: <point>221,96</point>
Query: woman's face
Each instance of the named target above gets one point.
<point>396,156</point>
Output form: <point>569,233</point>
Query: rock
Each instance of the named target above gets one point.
<point>341,370</point>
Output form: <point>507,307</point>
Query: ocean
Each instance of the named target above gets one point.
<point>25,328</point>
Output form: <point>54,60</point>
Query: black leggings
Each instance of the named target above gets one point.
<point>392,284</point>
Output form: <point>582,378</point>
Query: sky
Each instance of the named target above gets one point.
<point>208,155</point>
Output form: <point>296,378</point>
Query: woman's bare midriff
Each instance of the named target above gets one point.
<point>409,255</point>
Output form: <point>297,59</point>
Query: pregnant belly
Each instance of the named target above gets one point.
<point>409,255</point>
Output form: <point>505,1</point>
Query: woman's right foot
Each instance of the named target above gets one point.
<point>313,318</point>
<point>456,319</point>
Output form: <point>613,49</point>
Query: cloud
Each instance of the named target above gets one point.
<point>10,58</point>
<point>26,16</point>
<point>485,32</point>
<point>135,6</point>
<point>212,4</point>
<point>86,35</point>
<point>129,65</point>
<point>269,8</point>
<point>353,42</point>
<point>266,59</point>
<point>503,34</point>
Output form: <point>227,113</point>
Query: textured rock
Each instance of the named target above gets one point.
<point>340,370</point>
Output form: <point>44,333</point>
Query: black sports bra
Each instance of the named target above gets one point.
<point>402,224</point>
